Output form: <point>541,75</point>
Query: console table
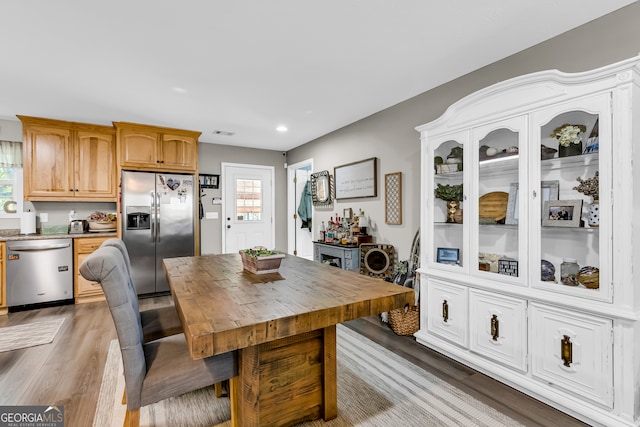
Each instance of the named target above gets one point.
<point>345,257</point>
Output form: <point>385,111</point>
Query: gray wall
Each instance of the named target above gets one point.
<point>209,157</point>
<point>390,135</point>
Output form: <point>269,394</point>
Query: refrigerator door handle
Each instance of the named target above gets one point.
<point>157,217</point>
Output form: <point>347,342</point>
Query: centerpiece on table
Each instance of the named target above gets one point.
<point>569,139</point>
<point>452,194</point>
<point>260,260</point>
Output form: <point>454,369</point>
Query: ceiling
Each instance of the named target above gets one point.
<point>248,66</point>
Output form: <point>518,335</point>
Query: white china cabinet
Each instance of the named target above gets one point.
<point>497,290</point>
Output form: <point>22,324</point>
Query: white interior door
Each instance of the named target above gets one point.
<point>304,236</point>
<point>248,206</point>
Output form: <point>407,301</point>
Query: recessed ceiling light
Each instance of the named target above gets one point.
<point>282,128</point>
<point>179,90</point>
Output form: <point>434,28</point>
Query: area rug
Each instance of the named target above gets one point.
<point>375,388</point>
<point>29,334</point>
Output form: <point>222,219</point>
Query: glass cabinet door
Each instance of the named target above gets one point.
<point>574,210</point>
<point>499,216</point>
<point>446,206</point>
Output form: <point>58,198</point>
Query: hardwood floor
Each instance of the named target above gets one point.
<point>69,371</point>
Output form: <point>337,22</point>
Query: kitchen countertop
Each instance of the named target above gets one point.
<point>14,235</point>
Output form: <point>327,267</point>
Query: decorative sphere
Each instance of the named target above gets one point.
<point>492,151</point>
<point>547,271</point>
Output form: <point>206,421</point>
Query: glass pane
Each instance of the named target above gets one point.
<point>498,188</point>
<point>248,200</point>
<point>570,238</point>
<point>447,204</point>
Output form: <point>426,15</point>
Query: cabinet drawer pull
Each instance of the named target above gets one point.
<point>495,328</point>
<point>445,311</point>
<point>566,350</point>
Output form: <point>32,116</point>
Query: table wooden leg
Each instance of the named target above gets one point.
<point>233,400</point>
<point>287,381</point>
<point>329,377</point>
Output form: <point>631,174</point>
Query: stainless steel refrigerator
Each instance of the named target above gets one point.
<point>158,214</point>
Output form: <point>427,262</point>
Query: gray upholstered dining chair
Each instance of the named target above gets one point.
<point>157,322</point>
<point>156,370</point>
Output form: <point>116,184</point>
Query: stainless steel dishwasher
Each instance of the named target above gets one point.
<point>39,271</point>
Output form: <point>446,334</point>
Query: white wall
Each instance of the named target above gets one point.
<point>390,135</point>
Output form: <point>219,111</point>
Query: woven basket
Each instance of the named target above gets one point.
<point>405,321</point>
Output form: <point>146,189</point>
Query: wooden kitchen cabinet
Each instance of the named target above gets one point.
<point>67,161</point>
<point>143,147</point>
<point>84,290</point>
<point>3,281</point>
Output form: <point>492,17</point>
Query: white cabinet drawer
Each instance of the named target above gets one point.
<point>447,311</point>
<point>498,328</point>
<point>573,351</point>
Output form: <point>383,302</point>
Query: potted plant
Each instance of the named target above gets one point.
<point>260,260</point>
<point>569,139</point>
<point>452,194</point>
<point>591,187</point>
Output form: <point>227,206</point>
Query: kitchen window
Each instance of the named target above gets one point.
<point>10,192</point>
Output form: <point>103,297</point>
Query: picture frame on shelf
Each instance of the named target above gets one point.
<point>449,256</point>
<point>562,213</point>
<point>549,191</point>
<point>347,213</point>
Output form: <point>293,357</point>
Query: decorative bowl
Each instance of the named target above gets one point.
<point>589,277</point>
<point>97,225</point>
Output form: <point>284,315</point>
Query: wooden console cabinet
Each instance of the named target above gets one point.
<point>347,258</point>
<point>68,161</point>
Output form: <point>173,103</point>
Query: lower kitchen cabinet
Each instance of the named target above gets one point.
<point>3,282</point>
<point>84,290</point>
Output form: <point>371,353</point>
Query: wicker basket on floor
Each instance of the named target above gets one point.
<point>405,321</point>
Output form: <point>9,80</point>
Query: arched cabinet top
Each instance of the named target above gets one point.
<point>530,92</point>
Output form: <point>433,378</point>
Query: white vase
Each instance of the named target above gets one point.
<point>594,214</point>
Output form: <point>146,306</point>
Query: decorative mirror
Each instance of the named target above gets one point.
<point>321,189</point>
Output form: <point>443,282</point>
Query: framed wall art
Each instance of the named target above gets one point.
<point>393,198</point>
<point>357,179</point>
<point>562,213</point>
<point>209,181</point>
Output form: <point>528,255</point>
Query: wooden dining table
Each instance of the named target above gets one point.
<point>282,326</point>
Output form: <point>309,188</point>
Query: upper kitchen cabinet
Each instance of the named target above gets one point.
<point>67,161</point>
<point>143,147</point>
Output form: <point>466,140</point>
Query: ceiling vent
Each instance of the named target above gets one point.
<point>222,133</point>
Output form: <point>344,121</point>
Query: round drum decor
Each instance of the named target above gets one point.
<point>377,260</point>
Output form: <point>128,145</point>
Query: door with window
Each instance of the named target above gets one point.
<point>248,201</point>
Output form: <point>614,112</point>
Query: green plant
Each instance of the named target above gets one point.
<point>260,251</point>
<point>449,192</point>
